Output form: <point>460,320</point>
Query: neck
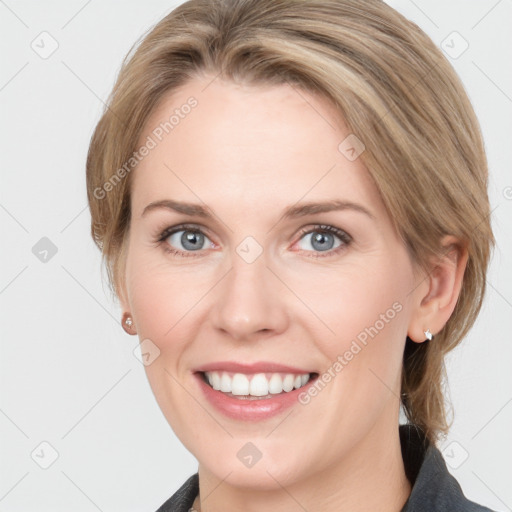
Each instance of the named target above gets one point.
<point>370,477</point>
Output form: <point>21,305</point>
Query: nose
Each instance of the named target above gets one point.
<point>250,301</point>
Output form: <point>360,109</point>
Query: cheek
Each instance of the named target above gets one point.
<point>163,297</point>
<point>366,309</point>
<point>357,302</point>
<point>166,304</point>
<point>166,309</point>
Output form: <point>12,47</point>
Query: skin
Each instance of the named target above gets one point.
<point>248,153</point>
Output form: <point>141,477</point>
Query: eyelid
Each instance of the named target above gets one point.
<point>168,231</point>
<point>341,233</point>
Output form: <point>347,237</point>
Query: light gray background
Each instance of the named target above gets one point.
<point>68,373</point>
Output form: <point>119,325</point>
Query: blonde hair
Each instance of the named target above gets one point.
<point>393,88</point>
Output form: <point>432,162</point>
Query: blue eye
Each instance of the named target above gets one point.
<point>324,239</point>
<point>190,240</point>
<point>184,240</point>
<point>321,241</point>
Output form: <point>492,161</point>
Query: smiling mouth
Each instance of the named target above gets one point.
<point>256,386</point>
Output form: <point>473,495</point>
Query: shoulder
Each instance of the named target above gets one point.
<point>433,487</point>
<point>183,498</point>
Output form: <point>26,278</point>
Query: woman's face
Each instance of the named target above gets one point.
<point>231,263</point>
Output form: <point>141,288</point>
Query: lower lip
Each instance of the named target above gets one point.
<point>250,410</point>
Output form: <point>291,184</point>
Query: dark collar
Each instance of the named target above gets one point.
<point>434,488</point>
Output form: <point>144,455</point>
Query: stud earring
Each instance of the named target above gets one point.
<point>428,334</point>
<point>127,324</point>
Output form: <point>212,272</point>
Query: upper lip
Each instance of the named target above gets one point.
<point>250,368</point>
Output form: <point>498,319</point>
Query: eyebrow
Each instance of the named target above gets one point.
<point>293,211</point>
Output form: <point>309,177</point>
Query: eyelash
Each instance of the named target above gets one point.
<point>167,232</point>
<point>345,238</point>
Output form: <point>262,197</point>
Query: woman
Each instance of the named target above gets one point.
<point>291,201</point>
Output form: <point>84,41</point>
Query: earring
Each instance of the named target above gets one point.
<point>127,323</point>
<point>428,335</point>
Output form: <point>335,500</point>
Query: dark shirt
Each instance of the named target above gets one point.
<point>434,489</point>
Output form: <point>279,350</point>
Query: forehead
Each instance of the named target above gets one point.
<point>265,145</point>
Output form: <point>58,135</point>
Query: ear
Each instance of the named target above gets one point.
<point>122,296</point>
<point>122,291</point>
<point>127,320</point>
<point>436,296</point>
<point>120,282</point>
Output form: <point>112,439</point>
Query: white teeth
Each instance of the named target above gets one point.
<point>275,384</point>
<point>240,384</point>
<point>215,380</point>
<point>225,383</point>
<point>288,382</point>
<point>259,384</point>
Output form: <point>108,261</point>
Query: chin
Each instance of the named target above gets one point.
<point>263,476</point>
